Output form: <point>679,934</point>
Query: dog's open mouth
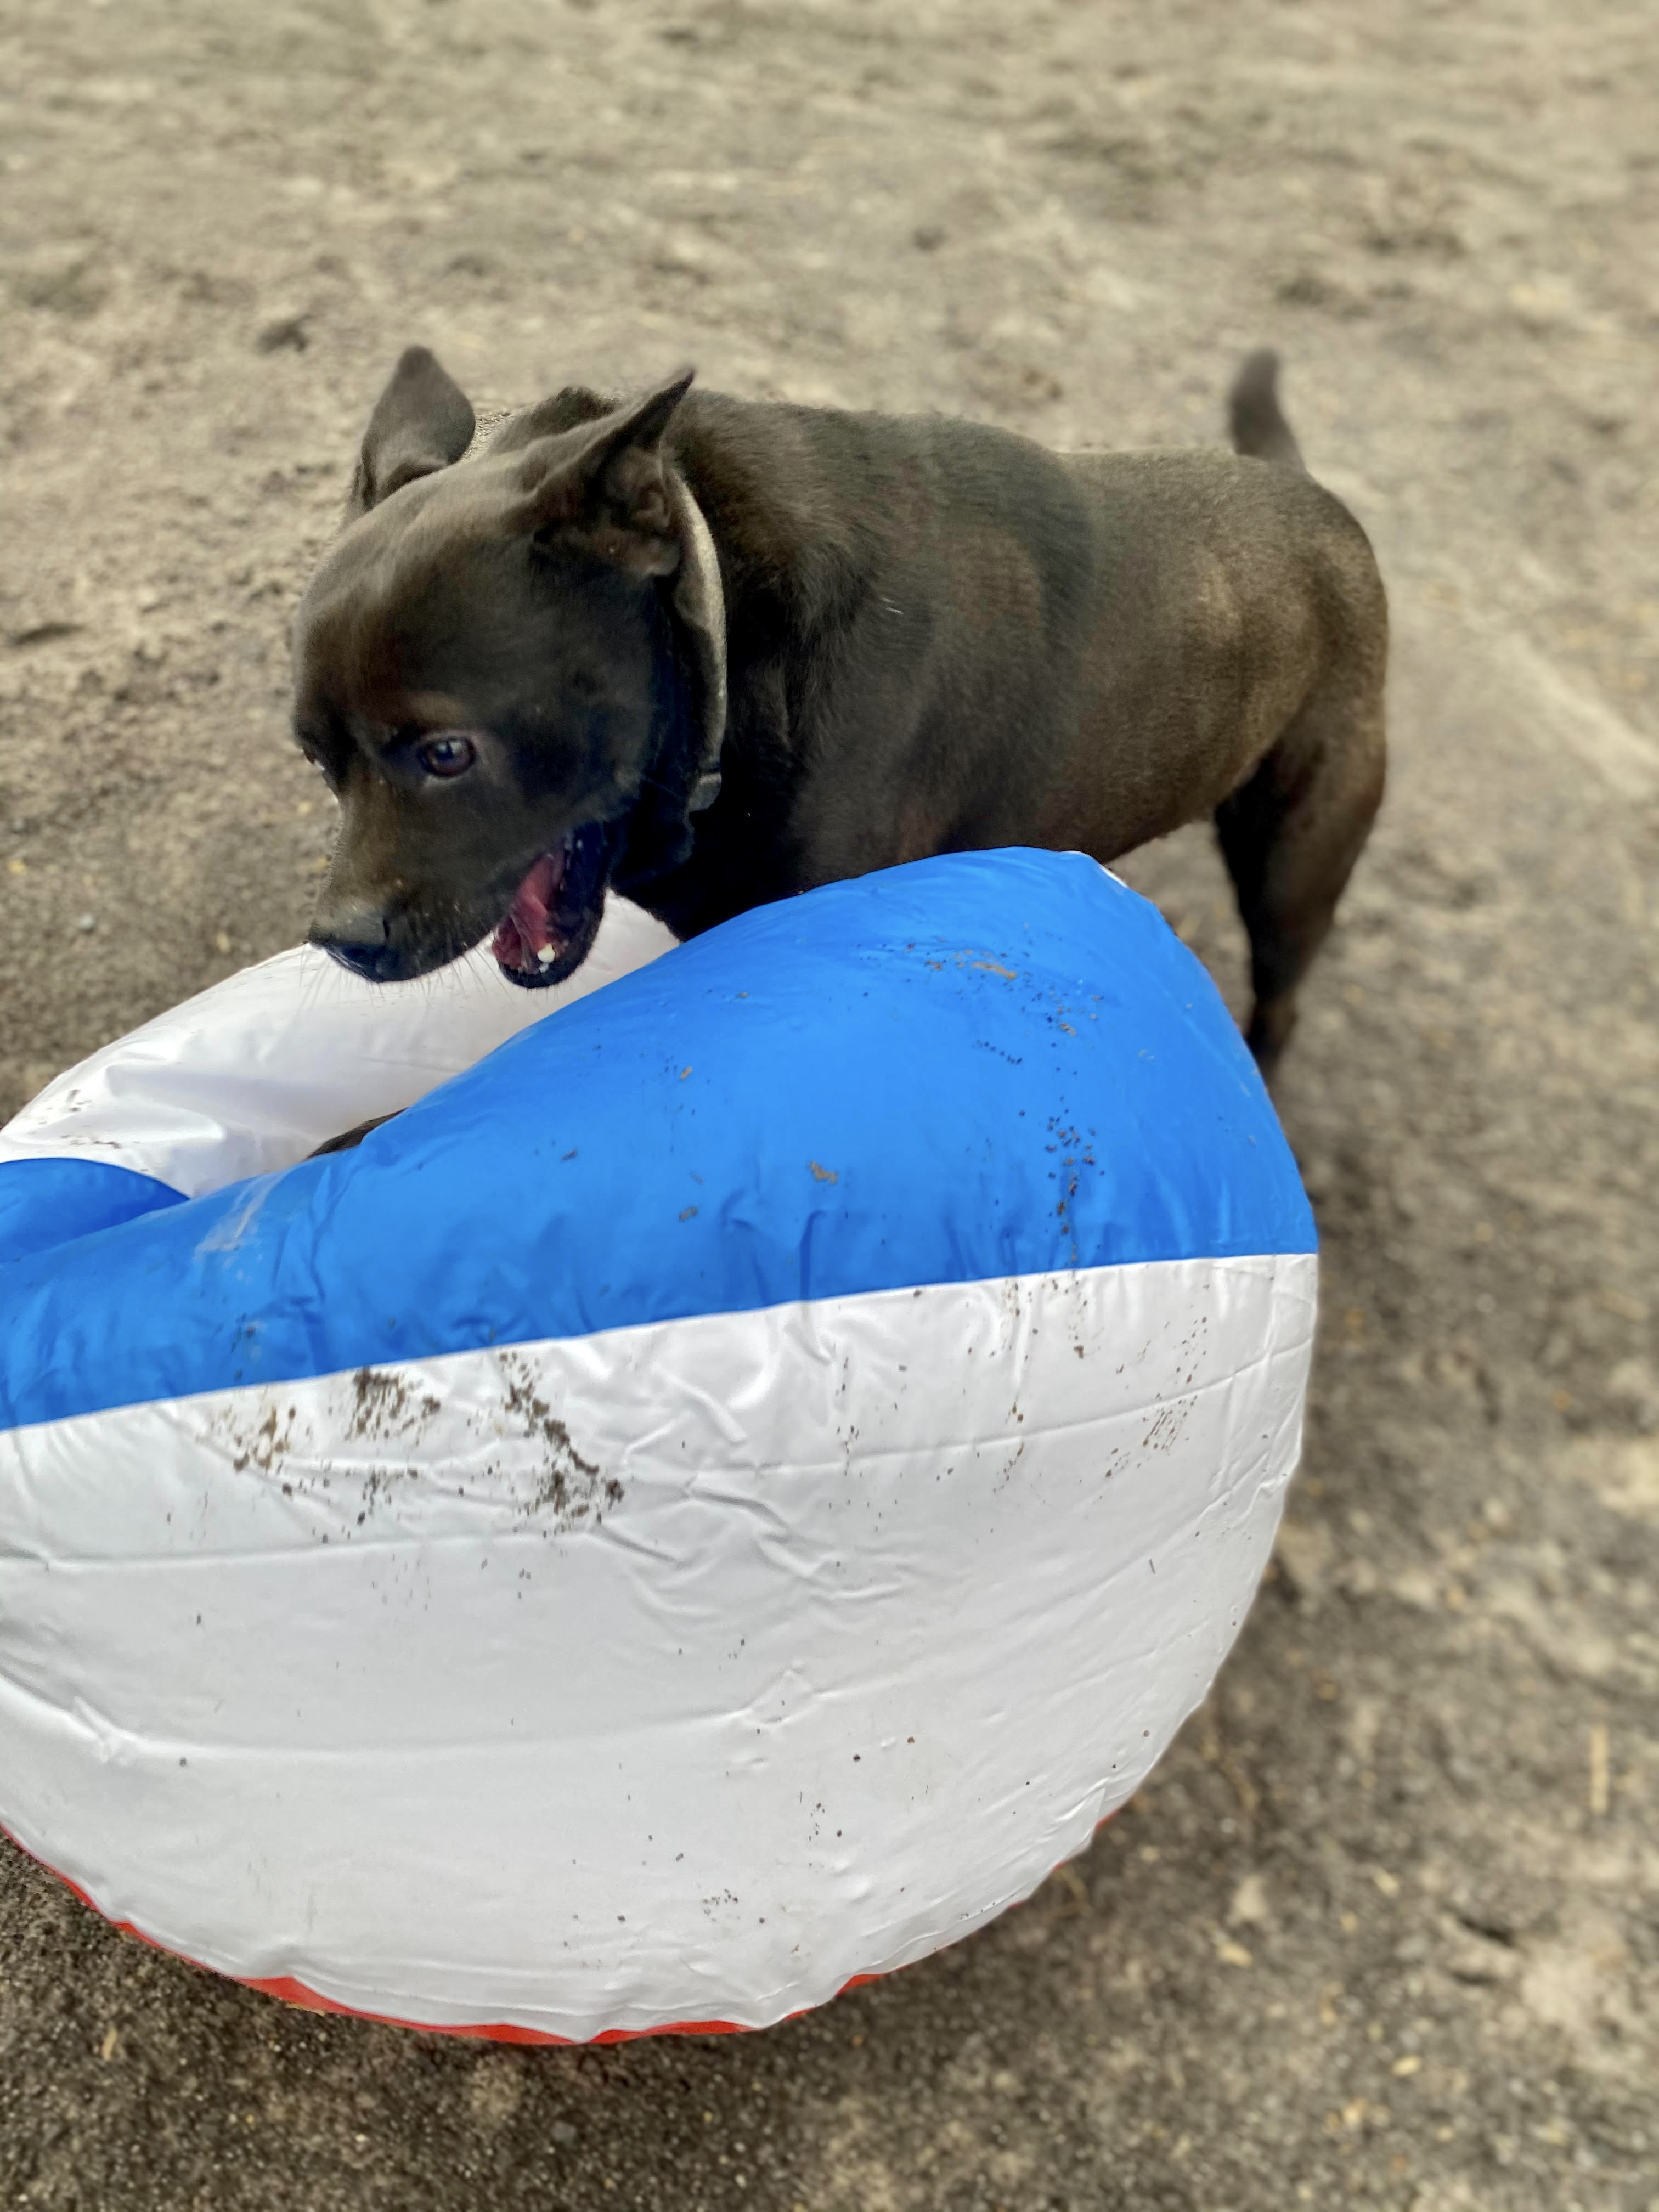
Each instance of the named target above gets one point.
<point>547,931</point>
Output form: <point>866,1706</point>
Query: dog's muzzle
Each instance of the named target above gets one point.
<point>360,940</point>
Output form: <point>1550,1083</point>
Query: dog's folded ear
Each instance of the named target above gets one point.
<point>422,422</point>
<point>609,481</point>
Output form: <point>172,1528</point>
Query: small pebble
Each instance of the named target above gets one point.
<point>86,921</point>
<point>288,331</point>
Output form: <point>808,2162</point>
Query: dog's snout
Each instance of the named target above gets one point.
<point>378,963</point>
<point>358,940</point>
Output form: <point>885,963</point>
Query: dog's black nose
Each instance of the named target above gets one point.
<point>358,941</point>
<point>379,962</point>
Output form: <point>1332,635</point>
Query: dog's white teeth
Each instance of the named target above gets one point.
<point>547,954</point>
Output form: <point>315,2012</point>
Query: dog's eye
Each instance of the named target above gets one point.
<point>451,756</point>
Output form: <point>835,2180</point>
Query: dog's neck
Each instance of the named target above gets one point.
<point>699,604</point>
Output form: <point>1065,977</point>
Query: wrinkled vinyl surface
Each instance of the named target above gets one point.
<point>717,1498</point>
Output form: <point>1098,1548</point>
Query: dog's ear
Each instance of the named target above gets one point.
<point>608,481</point>
<point>422,422</point>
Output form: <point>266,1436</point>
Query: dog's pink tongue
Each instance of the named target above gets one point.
<point>528,932</point>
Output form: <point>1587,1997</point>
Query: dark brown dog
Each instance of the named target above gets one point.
<point>715,653</point>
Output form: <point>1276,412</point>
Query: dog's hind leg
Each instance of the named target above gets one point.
<point>1291,836</point>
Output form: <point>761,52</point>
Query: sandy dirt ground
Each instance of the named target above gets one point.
<point>1384,1928</point>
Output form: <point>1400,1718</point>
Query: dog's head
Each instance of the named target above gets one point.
<point>488,666</point>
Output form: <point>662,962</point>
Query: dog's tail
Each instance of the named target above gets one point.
<point>1259,427</point>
